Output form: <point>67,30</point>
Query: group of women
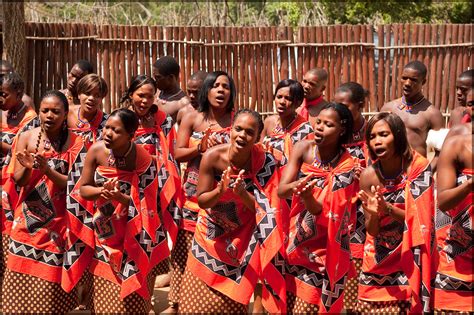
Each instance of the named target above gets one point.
<point>320,218</point>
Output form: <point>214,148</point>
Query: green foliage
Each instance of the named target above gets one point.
<point>254,13</point>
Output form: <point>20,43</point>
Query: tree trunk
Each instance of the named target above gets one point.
<point>14,41</point>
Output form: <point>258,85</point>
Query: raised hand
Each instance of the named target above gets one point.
<point>304,187</point>
<point>238,187</point>
<point>374,204</point>
<point>205,140</point>
<point>26,159</point>
<point>41,162</point>
<point>225,180</point>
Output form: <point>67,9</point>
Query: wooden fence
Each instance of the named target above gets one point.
<point>256,57</point>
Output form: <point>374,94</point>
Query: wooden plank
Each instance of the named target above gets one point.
<point>452,69</point>
<point>337,52</point>
<point>396,62</point>
<point>223,50</point>
<point>50,30</point>
<point>93,48</point>
<point>299,52</point>
<point>188,57</point>
<point>121,63</point>
<point>316,58</point>
<point>257,75</point>
<point>176,45</point>
<point>284,62</point>
<point>183,79</point>
<point>133,52</point>
<point>113,68</point>
<point>433,57</point>
<point>345,55</point>
<point>447,58</point>
<point>230,52</point>
<point>381,84</point>
<point>146,31</point>
<point>292,55</point>
<point>169,36</point>
<point>325,57</point>
<point>269,82</point>
<point>209,50</point>
<point>439,66</point>
<point>36,92</point>
<point>106,65</point>
<point>371,70</point>
<point>154,47</point>
<point>426,58</point>
<point>363,62</point>
<point>30,59</point>
<point>253,36</point>
<point>237,62</point>
<point>306,50</point>
<point>467,53</point>
<point>415,40</point>
<point>274,64</point>
<point>161,46</point>
<point>357,77</point>
<point>56,80</point>
<point>331,55</point>
<point>388,35</point>
<point>196,51</point>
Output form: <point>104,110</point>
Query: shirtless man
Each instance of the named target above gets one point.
<point>193,88</point>
<point>314,83</point>
<point>169,97</point>
<point>80,69</point>
<point>7,67</point>
<point>466,127</point>
<point>464,83</point>
<point>415,110</point>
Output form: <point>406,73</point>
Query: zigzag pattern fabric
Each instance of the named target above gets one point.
<point>317,259</point>
<point>122,243</point>
<point>453,284</point>
<point>234,258</point>
<point>159,141</point>
<point>38,234</point>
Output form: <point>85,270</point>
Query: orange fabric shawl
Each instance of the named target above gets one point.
<point>232,245</point>
<point>39,231</point>
<point>454,282</point>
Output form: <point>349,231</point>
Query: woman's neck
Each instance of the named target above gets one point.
<point>89,116</point>
<point>327,153</point>
<point>121,152</point>
<point>239,159</point>
<point>287,121</point>
<point>53,135</point>
<point>217,114</point>
<point>391,167</point>
<point>359,123</point>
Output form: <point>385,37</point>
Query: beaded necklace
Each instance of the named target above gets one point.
<point>279,127</point>
<point>81,123</point>
<point>119,161</point>
<point>14,115</point>
<point>409,107</point>
<point>390,183</point>
<point>325,165</point>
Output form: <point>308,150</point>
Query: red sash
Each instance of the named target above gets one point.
<point>232,245</point>
<point>280,143</point>
<point>303,109</point>
<point>91,132</point>
<point>191,175</point>
<point>9,189</point>
<point>359,152</point>
<point>417,245</point>
<point>39,231</point>
<point>159,141</point>
<point>318,256</point>
<point>454,279</point>
<point>127,241</point>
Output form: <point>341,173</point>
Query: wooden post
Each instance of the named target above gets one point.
<point>14,40</point>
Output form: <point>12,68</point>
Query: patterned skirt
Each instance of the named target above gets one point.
<point>352,287</point>
<point>179,257</point>
<point>23,293</point>
<point>105,295</point>
<point>382,307</point>
<point>197,297</point>
<point>296,305</point>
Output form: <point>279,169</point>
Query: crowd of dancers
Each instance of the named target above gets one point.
<point>314,209</point>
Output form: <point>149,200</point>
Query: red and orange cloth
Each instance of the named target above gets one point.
<point>233,245</point>
<point>454,282</point>
<point>91,132</point>
<point>303,110</point>
<point>10,135</point>
<point>316,263</point>
<point>280,142</point>
<point>398,262</point>
<point>159,142</point>
<point>39,230</point>
<point>126,241</point>
<point>191,208</point>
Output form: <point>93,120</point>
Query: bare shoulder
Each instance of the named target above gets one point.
<point>390,106</point>
<point>271,120</point>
